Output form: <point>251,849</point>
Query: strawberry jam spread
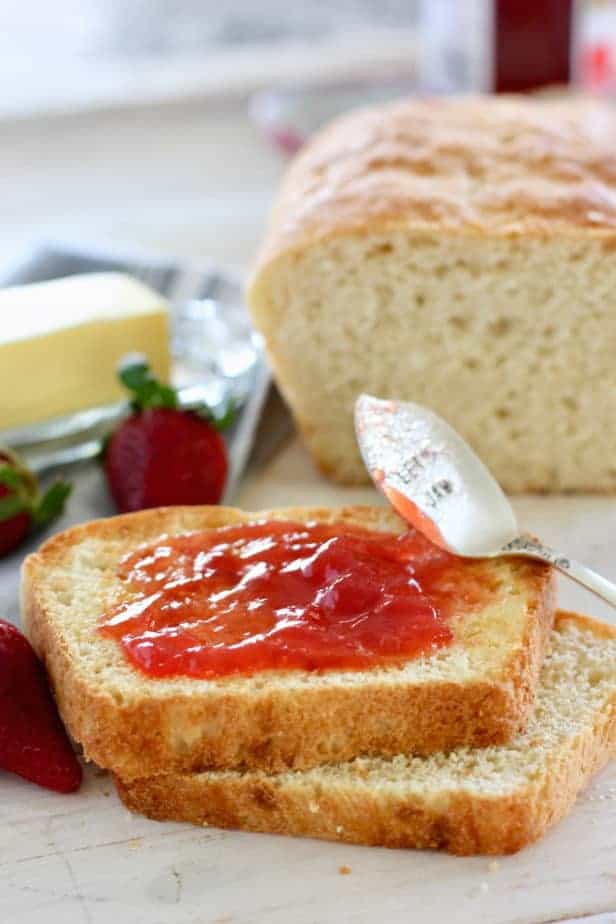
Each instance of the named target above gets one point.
<point>280,595</point>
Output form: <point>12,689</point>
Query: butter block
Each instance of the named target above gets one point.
<point>60,343</point>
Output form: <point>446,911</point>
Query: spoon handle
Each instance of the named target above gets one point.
<point>532,548</point>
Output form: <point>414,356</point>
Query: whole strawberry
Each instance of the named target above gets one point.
<point>161,455</point>
<point>22,507</point>
<point>33,742</point>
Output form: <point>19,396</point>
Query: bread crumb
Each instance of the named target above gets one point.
<point>493,866</point>
<point>313,807</point>
<point>344,870</point>
<point>339,829</point>
<point>106,793</point>
<point>134,843</point>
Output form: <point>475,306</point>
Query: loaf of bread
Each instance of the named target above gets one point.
<point>459,254</point>
<point>477,690</point>
<point>494,800</point>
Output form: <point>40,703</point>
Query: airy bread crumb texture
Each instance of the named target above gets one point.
<point>512,342</point>
<point>458,255</point>
<point>577,680</point>
<point>490,800</point>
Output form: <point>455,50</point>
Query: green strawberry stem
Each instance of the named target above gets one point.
<point>225,418</point>
<point>10,506</point>
<point>135,374</point>
<point>147,392</point>
<point>9,475</point>
<point>51,504</point>
<point>23,495</point>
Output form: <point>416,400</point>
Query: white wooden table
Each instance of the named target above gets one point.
<point>83,859</point>
<point>195,180</point>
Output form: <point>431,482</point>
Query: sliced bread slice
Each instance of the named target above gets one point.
<point>492,801</point>
<point>476,691</point>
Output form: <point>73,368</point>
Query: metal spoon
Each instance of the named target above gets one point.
<point>436,482</point>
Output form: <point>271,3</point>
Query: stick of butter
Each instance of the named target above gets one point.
<point>60,343</point>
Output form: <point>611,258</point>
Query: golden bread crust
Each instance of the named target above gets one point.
<point>476,165</point>
<point>149,726</point>
<point>355,812</point>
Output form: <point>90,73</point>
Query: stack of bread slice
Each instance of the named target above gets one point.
<point>475,748</point>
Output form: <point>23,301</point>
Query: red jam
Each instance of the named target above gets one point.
<point>282,595</point>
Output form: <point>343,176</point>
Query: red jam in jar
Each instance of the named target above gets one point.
<point>281,595</point>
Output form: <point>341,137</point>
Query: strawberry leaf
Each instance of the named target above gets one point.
<point>135,374</point>
<point>221,420</point>
<point>224,419</point>
<point>11,505</point>
<point>163,396</point>
<point>51,504</point>
<point>9,476</point>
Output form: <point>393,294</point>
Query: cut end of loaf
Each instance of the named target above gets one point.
<point>510,340</point>
<point>457,253</point>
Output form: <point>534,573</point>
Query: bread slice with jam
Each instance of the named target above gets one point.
<point>491,801</point>
<point>474,687</point>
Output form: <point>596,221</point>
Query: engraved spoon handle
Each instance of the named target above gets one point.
<point>588,578</point>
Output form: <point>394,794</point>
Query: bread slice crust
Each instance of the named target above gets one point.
<point>477,812</point>
<point>138,726</point>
